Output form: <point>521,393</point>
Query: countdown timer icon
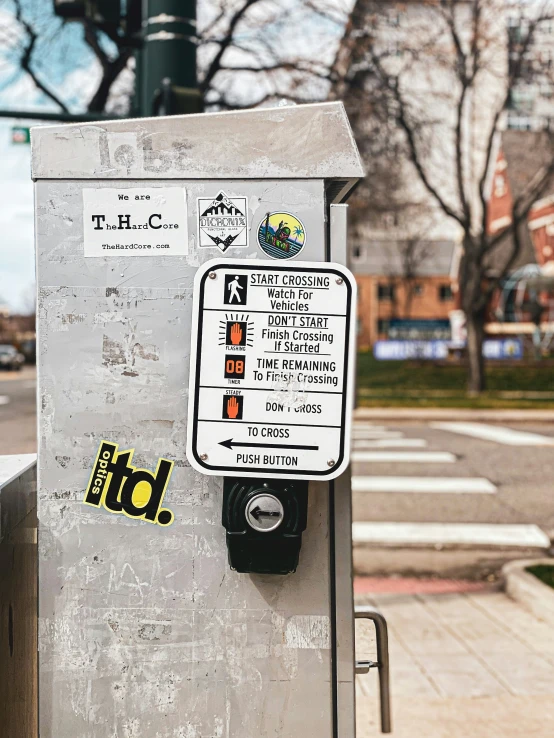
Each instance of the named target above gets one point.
<point>234,366</point>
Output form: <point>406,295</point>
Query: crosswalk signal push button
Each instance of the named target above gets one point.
<point>264,513</point>
<point>270,396</point>
<point>264,520</point>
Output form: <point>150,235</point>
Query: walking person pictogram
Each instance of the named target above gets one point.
<point>234,286</point>
<point>236,289</point>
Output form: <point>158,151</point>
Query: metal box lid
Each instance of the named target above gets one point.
<point>291,142</point>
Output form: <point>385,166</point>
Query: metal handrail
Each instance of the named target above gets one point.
<point>382,664</point>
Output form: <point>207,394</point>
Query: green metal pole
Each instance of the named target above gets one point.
<point>167,63</point>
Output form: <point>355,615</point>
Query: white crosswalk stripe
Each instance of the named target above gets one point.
<point>370,445</point>
<point>4,399</point>
<point>496,433</point>
<point>414,457</point>
<point>357,434</point>
<point>389,443</point>
<point>465,534</point>
<point>435,485</point>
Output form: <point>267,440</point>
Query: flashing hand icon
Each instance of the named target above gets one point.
<point>232,408</point>
<point>236,334</point>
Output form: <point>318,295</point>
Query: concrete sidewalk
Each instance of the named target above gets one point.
<point>465,663</point>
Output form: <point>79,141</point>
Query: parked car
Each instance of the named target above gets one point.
<point>10,358</point>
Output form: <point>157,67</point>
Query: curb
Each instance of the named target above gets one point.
<point>529,591</point>
<point>455,562</point>
<point>449,413</point>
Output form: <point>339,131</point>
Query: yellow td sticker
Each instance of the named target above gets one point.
<point>122,488</point>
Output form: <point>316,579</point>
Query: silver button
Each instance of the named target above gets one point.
<point>264,513</point>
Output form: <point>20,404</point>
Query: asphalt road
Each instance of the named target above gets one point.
<point>521,476</point>
<point>18,411</point>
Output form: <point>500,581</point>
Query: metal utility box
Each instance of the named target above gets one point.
<point>144,630</point>
<point>18,596</point>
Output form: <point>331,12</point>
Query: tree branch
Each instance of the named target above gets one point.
<point>111,68</point>
<point>27,56</point>
<point>466,80</point>
<point>413,152</point>
<point>514,76</point>
<point>280,66</point>
<point>215,65</point>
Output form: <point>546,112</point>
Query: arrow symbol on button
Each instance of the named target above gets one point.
<point>258,513</point>
<point>233,444</point>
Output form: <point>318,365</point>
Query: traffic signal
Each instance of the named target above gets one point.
<point>170,99</point>
<point>108,15</point>
<point>105,14</point>
<point>71,9</point>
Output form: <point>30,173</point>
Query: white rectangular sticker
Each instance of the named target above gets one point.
<point>138,221</point>
<point>272,361</point>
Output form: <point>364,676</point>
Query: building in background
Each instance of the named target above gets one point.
<point>532,99</point>
<point>405,249</point>
<point>19,331</point>
<point>405,289</point>
<point>525,304</point>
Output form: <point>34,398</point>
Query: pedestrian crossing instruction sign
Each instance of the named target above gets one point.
<point>272,369</point>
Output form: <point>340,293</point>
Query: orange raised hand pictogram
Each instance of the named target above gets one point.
<point>236,334</point>
<point>232,407</point>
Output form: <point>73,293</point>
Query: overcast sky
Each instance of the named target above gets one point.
<point>16,221</point>
<point>66,64</point>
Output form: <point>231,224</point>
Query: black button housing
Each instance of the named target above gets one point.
<point>266,552</point>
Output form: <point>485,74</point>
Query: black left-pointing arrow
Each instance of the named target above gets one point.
<point>232,444</point>
<point>258,513</point>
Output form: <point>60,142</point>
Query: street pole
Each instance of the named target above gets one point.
<point>163,32</point>
<point>166,64</point>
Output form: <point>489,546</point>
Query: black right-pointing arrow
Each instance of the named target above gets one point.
<point>232,444</point>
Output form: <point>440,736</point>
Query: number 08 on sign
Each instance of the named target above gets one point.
<point>272,362</point>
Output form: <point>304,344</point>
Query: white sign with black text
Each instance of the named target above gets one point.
<point>272,361</point>
<point>135,221</point>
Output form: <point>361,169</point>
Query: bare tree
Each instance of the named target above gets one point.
<point>39,46</point>
<point>414,252</point>
<point>254,52</point>
<point>248,52</point>
<point>441,76</point>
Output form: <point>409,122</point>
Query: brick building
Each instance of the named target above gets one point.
<point>520,154</point>
<point>19,331</point>
<point>405,289</point>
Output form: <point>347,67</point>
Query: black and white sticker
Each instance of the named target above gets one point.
<point>222,222</point>
<point>134,221</point>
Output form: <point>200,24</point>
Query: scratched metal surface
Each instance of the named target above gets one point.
<point>144,632</point>
<point>301,141</point>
